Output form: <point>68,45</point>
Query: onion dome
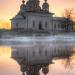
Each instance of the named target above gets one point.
<point>23,6</point>
<point>33,5</point>
<point>45,6</point>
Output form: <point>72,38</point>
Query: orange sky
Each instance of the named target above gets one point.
<point>5,51</point>
<point>9,8</point>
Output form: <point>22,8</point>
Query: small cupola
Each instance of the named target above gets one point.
<point>23,6</point>
<point>45,6</point>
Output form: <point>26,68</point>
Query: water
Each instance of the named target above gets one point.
<point>60,43</point>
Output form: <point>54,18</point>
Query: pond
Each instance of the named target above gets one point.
<point>61,48</point>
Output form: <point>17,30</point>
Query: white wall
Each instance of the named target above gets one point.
<point>37,18</point>
<point>40,18</point>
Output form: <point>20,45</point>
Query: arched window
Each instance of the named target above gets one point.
<point>34,53</point>
<point>40,26</point>
<point>55,26</point>
<point>46,24</point>
<point>17,25</point>
<point>33,23</point>
<point>40,51</point>
<point>46,53</point>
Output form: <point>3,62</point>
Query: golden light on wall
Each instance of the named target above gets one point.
<point>5,51</point>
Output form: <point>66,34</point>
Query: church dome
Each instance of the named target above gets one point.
<point>33,5</point>
<point>45,6</point>
<point>23,7</point>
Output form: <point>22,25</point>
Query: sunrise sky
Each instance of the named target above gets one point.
<point>9,8</point>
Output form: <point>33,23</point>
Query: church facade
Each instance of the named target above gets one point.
<point>33,18</point>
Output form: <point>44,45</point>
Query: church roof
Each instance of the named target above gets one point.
<point>18,16</point>
<point>24,9</point>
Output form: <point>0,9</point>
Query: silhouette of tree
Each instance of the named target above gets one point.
<point>68,13</point>
<point>67,23</point>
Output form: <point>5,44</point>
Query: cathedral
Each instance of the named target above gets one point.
<point>35,19</point>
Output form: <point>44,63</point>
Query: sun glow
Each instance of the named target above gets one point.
<point>5,52</point>
<point>5,24</point>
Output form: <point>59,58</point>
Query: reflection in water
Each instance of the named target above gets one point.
<point>64,65</point>
<point>9,67</point>
<point>5,51</point>
<point>7,64</point>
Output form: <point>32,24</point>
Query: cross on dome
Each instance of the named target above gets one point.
<point>45,0</point>
<point>23,1</point>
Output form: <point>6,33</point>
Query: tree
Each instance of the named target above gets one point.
<point>67,22</point>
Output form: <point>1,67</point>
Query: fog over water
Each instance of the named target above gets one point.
<point>8,66</point>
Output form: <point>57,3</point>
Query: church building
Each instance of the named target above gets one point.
<point>35,19</point>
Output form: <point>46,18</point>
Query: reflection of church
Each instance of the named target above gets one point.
<point>35,57</point>
<point>33,18</point>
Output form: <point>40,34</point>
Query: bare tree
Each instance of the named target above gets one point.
<point>68,13</point>
<point>67,23</point>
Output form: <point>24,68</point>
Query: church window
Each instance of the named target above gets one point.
<point>40,26</point>
<point>33,23</point>
<point>45,52</point>
<point>17,25</point>
<point>46,24</point>
<point>40,51</point>
<point>55,26</point>
<point>33,53</point>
